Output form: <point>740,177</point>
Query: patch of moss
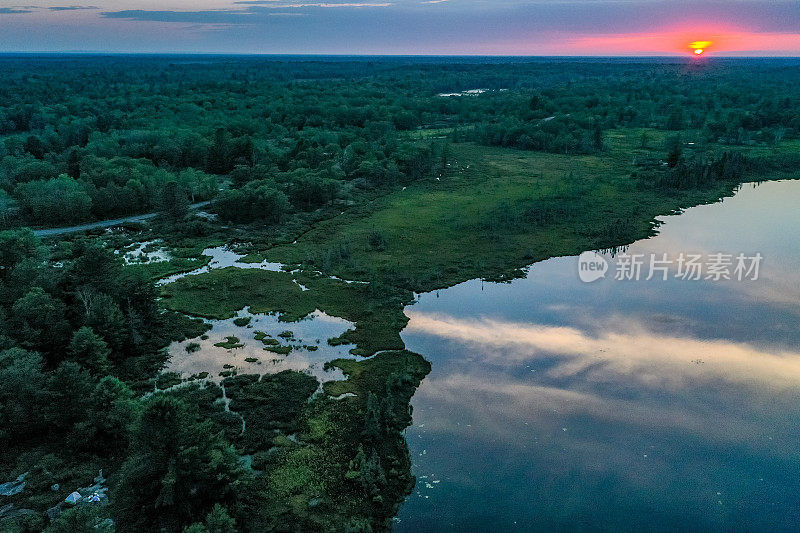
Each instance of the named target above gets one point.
<point>242,321</point>
<point>176,265</point>
<point>182,327</point>
<point>370,374</point>
<point>265,339</point>
<point>268,403</point>
<point>281,350</point>
<point>297,474</point>
<point>230,343</point>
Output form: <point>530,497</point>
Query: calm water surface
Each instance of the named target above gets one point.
<point>555,404</point>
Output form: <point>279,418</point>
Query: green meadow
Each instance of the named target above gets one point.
<point>496,210</point>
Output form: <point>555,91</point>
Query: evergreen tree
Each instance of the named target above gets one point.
<point>177,470</point>
<point>174,201</point>
<point>90,350</point>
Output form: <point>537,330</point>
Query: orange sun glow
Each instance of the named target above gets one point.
<point>700,47</point>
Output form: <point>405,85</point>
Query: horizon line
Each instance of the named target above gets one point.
<point>395,55</point>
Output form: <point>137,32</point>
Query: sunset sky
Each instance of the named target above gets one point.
<point>457,27</point>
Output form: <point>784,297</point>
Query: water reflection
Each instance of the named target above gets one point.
<point>310,349</point>
<point>657,405</point>
<point>634,354</point>
<point>222,257</point>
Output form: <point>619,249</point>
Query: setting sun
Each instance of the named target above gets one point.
<point>700,47</point>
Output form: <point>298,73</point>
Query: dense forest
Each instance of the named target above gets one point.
<point>110,137</point>
<point>260,153</point>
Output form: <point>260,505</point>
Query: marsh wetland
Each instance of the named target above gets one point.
<point>377,320</point>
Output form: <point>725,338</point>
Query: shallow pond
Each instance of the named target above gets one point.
<point>146,252</point>
<point>225,257</point>
<point>230,347</point>
<point>656,404</point>
<point>247,354</point>
<point>221,257</point>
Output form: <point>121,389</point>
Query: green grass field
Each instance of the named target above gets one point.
<point>497,210</point>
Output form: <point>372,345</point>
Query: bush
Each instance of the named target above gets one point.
<point>54,201</point>
<point>192,347</point>
<point>377,241</point>
<point>258,201</point>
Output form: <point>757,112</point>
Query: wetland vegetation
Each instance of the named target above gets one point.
<point>345,187</point>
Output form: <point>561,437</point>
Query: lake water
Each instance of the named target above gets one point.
<point>619,405</point>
